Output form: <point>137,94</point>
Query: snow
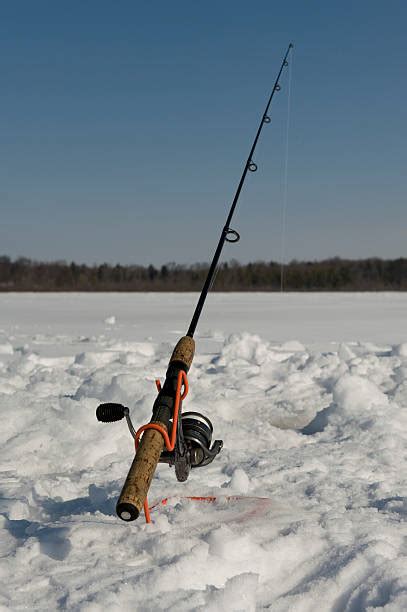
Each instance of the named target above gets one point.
<point>309,394</point>
<point>110,320</point>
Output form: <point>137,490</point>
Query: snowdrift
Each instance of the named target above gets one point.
<point>311,486</point>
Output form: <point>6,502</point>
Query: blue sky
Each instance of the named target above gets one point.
<point>124,127</point>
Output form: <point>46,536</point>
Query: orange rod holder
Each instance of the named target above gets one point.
<point>169,443</point>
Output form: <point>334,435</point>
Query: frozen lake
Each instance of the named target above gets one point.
<point>309,394</point>
<point>306,317</point>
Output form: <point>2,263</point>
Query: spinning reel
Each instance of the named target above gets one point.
<point>193,439</point>
<point>192,446</point>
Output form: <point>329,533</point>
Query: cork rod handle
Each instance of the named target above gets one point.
<point>145,462</point>
<point>140,475</point>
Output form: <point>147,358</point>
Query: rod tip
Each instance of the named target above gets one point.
<point>290,46</point>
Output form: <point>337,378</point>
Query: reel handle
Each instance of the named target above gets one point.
<point>145,462</point>
<point>109,412</point>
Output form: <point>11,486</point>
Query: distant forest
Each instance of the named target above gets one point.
<point>328,275</point>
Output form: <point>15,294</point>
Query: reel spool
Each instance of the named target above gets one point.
<point>197,431</point>
<point>193,445</point>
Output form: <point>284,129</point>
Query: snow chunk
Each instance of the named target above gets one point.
<point>95,358</point>
<point>295,400</point>
<point>6,349</point>
<point>145,349</point>
<point>226,544</point>
<point>400,350</point>
<point>239,482</point>
<point>244,347</point>
<point>292,346</point>
<point>345,352</point>
<point>239,594</point>
<point>356,394</point>
<point>110,320</point>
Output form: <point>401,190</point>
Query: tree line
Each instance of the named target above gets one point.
<point>333,274</point>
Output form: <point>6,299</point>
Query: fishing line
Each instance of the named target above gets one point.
<point>228,234</point>
<point>285,181</point>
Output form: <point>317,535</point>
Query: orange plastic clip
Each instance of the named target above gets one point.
<point>169,443</point>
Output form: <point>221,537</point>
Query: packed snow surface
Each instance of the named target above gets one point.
<point>309,394</point>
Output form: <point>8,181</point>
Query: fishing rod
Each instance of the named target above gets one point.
<point>228,234</point>
<point>187,437</point>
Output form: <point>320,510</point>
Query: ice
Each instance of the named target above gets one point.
<point>309,394</point>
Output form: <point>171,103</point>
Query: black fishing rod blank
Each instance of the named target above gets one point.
<point>228,234</point>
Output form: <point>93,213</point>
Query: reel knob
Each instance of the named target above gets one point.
<point>108,413</point>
